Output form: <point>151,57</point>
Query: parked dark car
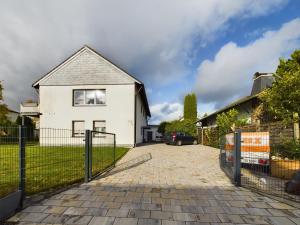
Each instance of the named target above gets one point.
<point>180,138</point>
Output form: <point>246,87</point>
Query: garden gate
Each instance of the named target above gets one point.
<point>251,161</point>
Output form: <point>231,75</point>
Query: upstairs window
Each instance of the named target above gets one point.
<point>89,97</point>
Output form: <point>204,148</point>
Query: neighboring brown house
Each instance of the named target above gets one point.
<point>246,105</point>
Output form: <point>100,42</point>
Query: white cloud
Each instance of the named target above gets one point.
<point>165,112</point>
<point>151,38</point>
<point>229,74</point>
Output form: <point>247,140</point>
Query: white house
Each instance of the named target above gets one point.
<point>87,91</point>
<point>151,134</point>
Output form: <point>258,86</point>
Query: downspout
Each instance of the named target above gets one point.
<point>135,97</point>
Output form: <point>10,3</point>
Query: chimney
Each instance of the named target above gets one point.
<point>261,81</point>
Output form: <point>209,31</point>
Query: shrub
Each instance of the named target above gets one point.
<point>288,149</point>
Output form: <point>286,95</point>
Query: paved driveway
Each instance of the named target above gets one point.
<point>179,185</point>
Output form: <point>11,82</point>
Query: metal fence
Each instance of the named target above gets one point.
<point>251,161</point>
<point>100,152</point>
<point>229,156</point>
<point>33,161</point>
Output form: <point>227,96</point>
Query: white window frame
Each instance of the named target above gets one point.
<point>76,133</point>
<point>84,97</point>
<point>101,135</point>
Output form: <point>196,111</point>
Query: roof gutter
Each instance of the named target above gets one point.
<point>135,104</point>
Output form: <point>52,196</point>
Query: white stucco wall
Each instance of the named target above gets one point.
<point>57,110</point>
<point>154,130</point>
<point>141,119</point>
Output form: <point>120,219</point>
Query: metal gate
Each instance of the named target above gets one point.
<point>230,156</point>
<point>100,151</point>
<point>251,161</point>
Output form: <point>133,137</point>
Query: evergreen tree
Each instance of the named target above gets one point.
<point>190,107</point>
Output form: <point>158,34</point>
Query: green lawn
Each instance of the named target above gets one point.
<point>50,167</point>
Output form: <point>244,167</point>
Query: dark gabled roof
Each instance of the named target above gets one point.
<point>233,104</point>
<point>137,81</point>
<point>36,83</point>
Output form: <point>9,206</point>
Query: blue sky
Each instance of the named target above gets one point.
<point>208,47</point>
<point>240,31</point>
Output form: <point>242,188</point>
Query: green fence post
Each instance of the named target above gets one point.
<point>114,150</point>
<point>87,156</point>
<point>90,154</point>
<point>237,157</point>
<point>22,163</point>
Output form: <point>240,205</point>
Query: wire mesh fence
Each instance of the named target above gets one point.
<point>33,161</point>
<point>55,161</point>
<point>250,160</point>
<point>103,154</point>
<point>264,169</point>
<point>9,160</point>
<point>52,158</point>
<point>227,155</point>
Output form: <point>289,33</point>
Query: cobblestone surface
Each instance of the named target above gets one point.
<point>178,186</point>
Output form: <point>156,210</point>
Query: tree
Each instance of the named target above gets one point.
<point>227,121</point>
<point>162,127</point>
<point>185,126</point>
<point>4,121</point>
<point>282,100</point>
<point>28,122</point>
<point>190,107</point>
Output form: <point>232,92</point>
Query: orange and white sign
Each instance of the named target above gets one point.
<point>255,147</point>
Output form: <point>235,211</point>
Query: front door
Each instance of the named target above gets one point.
<point>149,136</point>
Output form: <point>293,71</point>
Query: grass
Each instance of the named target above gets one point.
<point>50,167</point>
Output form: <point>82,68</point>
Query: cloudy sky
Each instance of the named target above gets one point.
<point>210,47</point>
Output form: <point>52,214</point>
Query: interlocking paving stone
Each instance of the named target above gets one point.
<point>92,204</point>
<point>117,212</point>
<point>184,216</point>
<point>71,203</point>
<point>279,221</point>
<point>178,186</point>
<point>197,223</point>
<point>75,211</point>
<point>55,209</point>
<point>258,212</point>
<point>172,222</point>
<point>34,217</point>
<point>56,218</point>
<point>125,221</point>
<point>79,220</point>
<point>38,208</point>
<point>254,219</point>
<point>102,221</point>
<point>209,218</point>
<point>295,220</point>
<point>149,222</point>
<point>139,213</point>
<point>161,215</point>
<point>225,218</point>
<point>96,212</point>
<point>280,205</point>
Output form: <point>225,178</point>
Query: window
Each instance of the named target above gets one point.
<point>78,128</point>
<point>99,125</point>
<point>89,97</point>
